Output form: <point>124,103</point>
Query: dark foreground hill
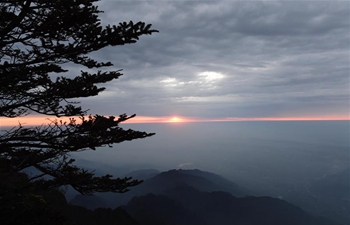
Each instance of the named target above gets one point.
<point>186,205</point>
<point>51,208</point>
<point>183,205</point>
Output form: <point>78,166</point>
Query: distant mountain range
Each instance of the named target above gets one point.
<point>196,197</point>
<point>202,181</point>
<point>186,205</point>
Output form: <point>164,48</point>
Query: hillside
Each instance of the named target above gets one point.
<point>187,205</point>
<point>203,181</point>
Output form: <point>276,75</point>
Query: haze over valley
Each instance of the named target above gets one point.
<point>304,163</point>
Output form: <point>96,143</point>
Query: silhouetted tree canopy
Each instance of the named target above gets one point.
<point>36,39</point>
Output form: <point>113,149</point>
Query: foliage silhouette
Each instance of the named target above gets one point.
<point>37,38</point>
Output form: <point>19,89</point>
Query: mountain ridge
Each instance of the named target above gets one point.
<point>218,208</point>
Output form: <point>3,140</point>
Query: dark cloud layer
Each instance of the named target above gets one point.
<point>230,59</point>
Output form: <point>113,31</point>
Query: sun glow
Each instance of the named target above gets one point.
<point>175,120</point>
<point>40,120</point>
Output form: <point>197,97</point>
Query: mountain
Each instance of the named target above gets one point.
<point>203,181</point>
<point>160,210</point>
<point>207,197</point>
<point>204,208</point>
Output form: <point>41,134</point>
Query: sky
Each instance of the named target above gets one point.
<point>228,60</point>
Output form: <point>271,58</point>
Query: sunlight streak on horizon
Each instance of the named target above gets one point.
<point>40,120</point>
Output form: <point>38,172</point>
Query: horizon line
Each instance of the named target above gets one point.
<point>40,120</point>
<point>236,119</point>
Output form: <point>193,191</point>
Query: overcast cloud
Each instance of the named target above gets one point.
<point>216,59</point>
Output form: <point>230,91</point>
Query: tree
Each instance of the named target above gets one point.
<point>37,38</point>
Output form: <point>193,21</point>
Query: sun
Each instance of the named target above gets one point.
<point>175,120</point>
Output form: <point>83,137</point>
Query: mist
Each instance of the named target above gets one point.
<point>244,152</point>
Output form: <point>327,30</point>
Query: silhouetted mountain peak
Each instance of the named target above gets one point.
<point>203,181</point>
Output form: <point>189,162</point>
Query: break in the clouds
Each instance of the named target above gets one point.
<point>216,59</point>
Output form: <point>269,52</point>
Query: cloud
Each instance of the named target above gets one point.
<point>230,58</point>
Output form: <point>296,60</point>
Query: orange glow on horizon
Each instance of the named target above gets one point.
<point>237,119</point>
<point>175,120</point>
<point>40,120</point>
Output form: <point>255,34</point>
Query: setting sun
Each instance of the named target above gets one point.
<point>175,120</point>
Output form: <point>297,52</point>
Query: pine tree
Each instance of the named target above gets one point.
<point>37,38</point>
